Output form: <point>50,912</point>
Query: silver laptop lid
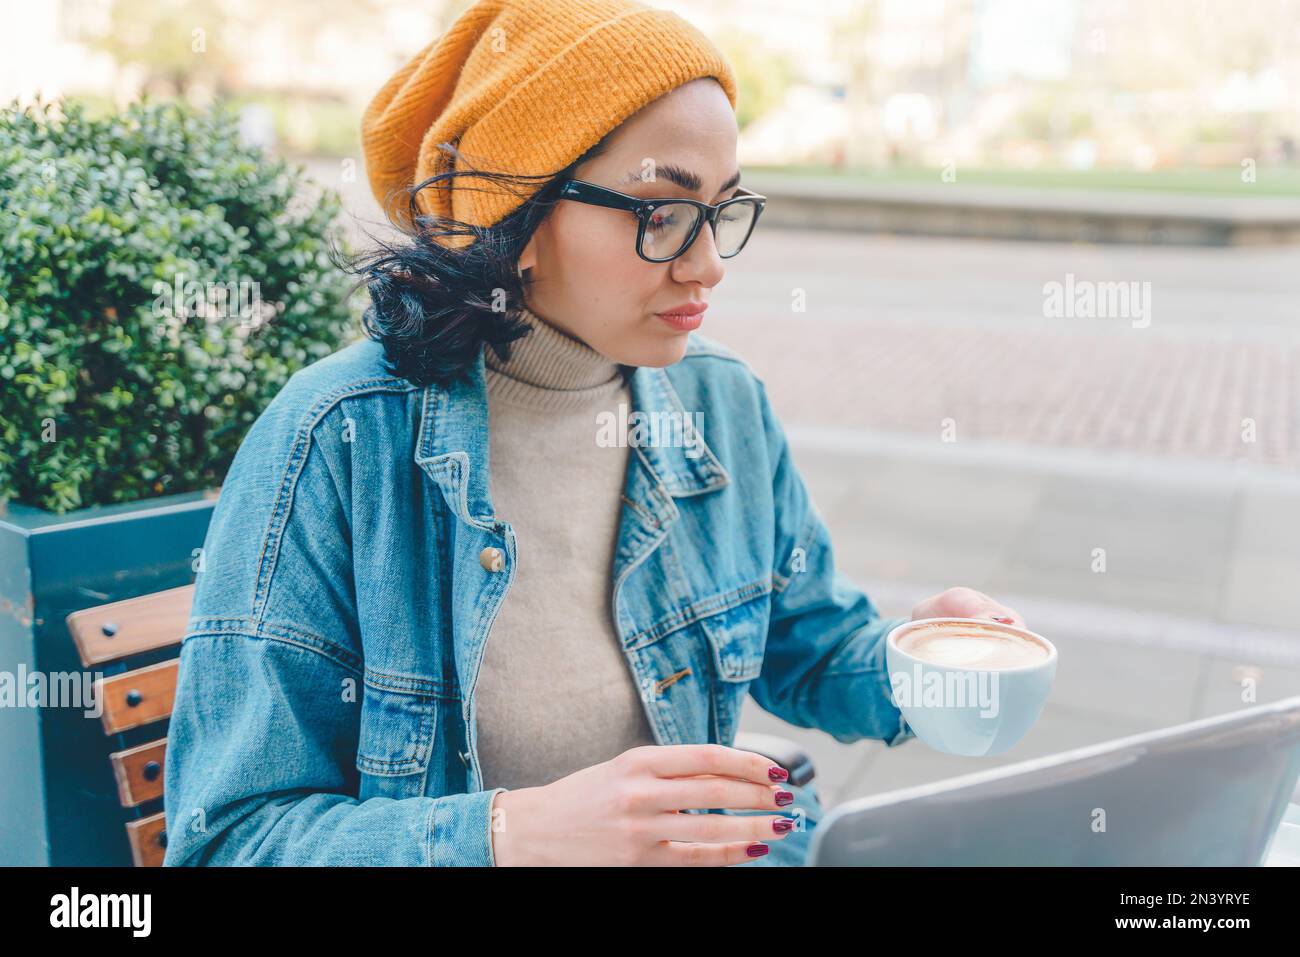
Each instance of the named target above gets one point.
<point>1211,792</point>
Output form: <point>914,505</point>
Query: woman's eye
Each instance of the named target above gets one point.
<point>660,221</point>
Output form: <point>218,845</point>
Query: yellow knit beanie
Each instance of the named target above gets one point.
<point>523,87</point>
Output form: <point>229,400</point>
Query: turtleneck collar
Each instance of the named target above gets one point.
<point>550,369</point>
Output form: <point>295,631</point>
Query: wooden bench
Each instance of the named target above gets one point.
<point>107,635</point>
<point>137,697</point>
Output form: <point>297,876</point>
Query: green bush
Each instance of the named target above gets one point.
<point>113,388</point>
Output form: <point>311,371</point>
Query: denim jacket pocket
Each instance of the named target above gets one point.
<point>738,637</point>
<point>398,716</point>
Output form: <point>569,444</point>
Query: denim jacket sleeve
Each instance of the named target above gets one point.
<point>824,665</point>
<point>261,750</point>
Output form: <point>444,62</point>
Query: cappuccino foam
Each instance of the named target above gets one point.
<point>966,645</point>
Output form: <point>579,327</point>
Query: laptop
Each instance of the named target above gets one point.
<point>1211,792</point>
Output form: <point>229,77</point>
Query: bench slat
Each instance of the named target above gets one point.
<point>146,837</point>
<point>135,625</point>
<point>153,689</point>
<point>139,772</point>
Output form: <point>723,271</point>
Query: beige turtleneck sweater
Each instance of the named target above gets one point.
<point>555,693</point>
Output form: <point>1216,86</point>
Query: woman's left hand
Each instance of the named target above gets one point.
<point>966,603</point>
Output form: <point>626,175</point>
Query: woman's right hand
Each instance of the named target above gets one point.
<point>628,811</point>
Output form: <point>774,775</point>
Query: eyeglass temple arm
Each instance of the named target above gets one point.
<point>595,195</point>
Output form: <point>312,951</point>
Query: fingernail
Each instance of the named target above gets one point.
<point>756,850</point>
<point>782,824</point>
<point>1005,621</point>
<point>783,798</point>
<point>776,773</point>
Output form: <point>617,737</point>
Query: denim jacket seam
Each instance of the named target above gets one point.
<point>410,684</point>
<point>260,631</point>
<point>299,454</point>
<point>491,851</point>
<point>429,860</point>
<point>699,610</point>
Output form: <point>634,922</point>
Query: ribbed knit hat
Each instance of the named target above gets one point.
<point>523,87</point>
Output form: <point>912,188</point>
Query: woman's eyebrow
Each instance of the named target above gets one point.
<point>684,178</point>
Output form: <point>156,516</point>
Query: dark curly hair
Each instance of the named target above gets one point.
<point>433,306</point>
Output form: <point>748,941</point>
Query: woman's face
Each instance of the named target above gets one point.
<point>587,278</point>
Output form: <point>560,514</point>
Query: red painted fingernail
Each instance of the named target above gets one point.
<point>1005,621</point>
<point>782,824</point>
<point>756,850</point>
<point>778,773</point>
<point>783,798</point>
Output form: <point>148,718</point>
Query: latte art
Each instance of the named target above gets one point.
<point>965,645</point>
<point>969,686</point>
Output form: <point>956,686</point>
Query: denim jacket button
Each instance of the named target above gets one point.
<point>492,559</point>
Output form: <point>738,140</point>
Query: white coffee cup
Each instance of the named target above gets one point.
<point>969,686</point>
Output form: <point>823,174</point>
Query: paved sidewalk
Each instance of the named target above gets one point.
<point>1178,396</point>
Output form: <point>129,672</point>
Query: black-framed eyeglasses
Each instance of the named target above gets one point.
<point>667,227</point>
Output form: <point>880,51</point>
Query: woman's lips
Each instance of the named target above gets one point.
<point>683,320</point>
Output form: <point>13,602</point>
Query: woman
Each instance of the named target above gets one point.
<point>641,550</point>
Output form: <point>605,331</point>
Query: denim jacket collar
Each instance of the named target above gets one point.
<point>452,447</point>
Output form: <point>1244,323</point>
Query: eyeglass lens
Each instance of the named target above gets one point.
<point>670,226</point>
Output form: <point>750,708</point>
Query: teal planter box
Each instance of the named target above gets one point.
<point>58,800</point>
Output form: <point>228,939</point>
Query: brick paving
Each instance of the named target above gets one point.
<point>1137,391</point>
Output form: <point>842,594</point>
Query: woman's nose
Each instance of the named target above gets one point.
<point>701,262</point>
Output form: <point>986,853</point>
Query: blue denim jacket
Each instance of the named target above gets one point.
<point>324,709</point>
